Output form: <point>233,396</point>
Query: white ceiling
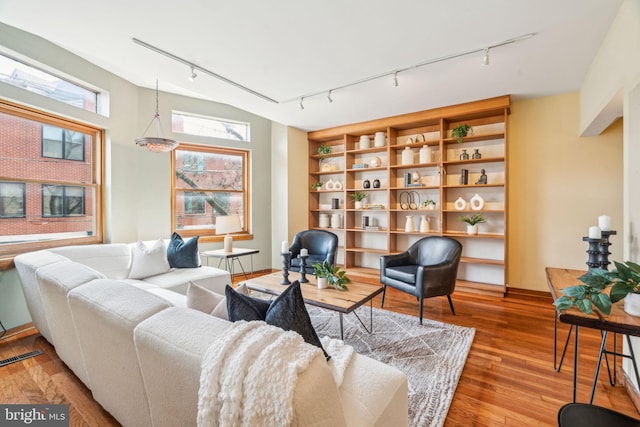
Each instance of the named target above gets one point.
<point>288,48</point>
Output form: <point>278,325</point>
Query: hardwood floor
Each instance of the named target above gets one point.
<point>508,379</point>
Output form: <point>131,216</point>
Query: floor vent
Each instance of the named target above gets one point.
<point>15,359</point>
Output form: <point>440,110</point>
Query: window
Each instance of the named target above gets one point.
<point>60,200</point>
<point>208,182</point>
<point>62,143</point>
<point>50,189</point>
<point>194,203</point>
<point>24,76</point>
<point>12,199</point>
<point>209,126</point>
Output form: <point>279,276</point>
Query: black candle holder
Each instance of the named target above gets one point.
<point>593,251</point>
<point>303,268</point>
<point>286,257</point>
<point>603,256</point>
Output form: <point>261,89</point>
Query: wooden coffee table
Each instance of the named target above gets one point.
<point>344,302</point>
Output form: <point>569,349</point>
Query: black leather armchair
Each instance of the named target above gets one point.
<point>321,244</point>
<point>427,269</point>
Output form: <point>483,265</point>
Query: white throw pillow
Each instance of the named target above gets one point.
<point>207,301</point>
<point>149,261</point>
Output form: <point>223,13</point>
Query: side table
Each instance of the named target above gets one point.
<point>229,257</point>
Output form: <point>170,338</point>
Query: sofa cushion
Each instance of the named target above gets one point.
<point>287,311</point>
<point>207,301</point>
<point>178,279</point>
<point>111,259</point>
<point>149,261</point>
<point>183,254</point>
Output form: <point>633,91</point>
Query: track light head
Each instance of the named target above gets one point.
<point>485,58</point>
<point>193,75</point>
<point>301,104</point>
<point>329,97</point>
<point>395,79</point>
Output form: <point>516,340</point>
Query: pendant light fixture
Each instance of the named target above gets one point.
<point>156,144</point>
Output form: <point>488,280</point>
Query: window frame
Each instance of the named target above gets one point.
<point>65,202</point>
<point>63,142</point>
<point>9,250</point>
<point>24,200</point>
<point>208,234</point>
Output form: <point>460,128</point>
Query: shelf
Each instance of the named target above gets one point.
<point>488,264</point>
<point>327,156</point>
<point>416,165</point>
<point>472,185</point>
<point>473,211</point>
<point>482,261</point>
<point>460,234</point>
<point>368,150</point>
<point>424,187</point>
<point>474,138</point>
<point>367,250</point>
<point>379,168</point>
<point>320,173</point>
<point>471,161</point>
<point>428,233</point>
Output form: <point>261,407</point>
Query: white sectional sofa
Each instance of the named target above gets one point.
<point>140,350</point>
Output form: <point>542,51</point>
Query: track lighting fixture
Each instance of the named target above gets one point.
<point>193,75</point>
<point>485,61</point>
<point>485,58</point>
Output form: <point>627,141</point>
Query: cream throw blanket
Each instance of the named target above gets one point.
<point>244,382</point>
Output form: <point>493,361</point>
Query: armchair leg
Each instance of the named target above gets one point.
<point>420,311</point>
<point>384,290</point>
<point>451,305</point>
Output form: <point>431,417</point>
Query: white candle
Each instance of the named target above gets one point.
<point>604,222</point>
<point>594,232</point>
<point>285,247</point>
<point>304,252</point>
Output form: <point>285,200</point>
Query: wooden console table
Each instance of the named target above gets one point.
<point>617,322</point>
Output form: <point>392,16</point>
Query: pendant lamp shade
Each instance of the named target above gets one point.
<point>158,143</point>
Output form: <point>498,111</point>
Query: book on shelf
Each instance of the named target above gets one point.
<point>360,166</point>
<point>372,228</point>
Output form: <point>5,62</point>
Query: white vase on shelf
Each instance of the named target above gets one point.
<point>460,204</point>
<point>407,156</point>
<point>472,229</point>
<point>425,154</point>
<point>379,139</point>
<point>476,202</point>
<point>408,225</point>
<point>424,224</point>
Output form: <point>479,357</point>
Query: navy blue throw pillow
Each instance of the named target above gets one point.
<point>287,311</point>
<point>244,307</point>
<point>183,254</point>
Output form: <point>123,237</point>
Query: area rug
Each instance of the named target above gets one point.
<point>431,355</point>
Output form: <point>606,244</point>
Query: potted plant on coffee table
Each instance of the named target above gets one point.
<point>332,275</point>
<point>472,222</point>
<point>624,282</point>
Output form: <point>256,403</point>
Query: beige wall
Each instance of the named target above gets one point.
<point>559,183</point>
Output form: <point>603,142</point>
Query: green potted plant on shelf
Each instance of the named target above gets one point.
<point>358,197</point>
<point>472,222</point>
<point>331,275</point>
<point>624,282</point>
<point>429,204</point>
<point>460,131</point>
<point>317,185</point>
<point>324,151</point>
